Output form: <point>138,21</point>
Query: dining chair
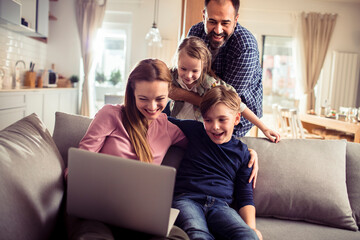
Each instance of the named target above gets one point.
<point>298,131</point>
<point>282,120</point>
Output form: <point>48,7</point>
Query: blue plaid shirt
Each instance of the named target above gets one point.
<point>238,64</point>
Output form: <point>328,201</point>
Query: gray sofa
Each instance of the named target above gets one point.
<point>306,189</point>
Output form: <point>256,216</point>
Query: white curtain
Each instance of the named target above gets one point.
<point>299,62</point>
<point>317,30</point>
<point>90,15</point>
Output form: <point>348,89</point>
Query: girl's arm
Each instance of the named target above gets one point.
<point>249,115</point>
<point>247,213</point>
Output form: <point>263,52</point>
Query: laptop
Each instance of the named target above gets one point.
<point>121,192</point>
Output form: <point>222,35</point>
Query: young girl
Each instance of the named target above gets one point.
<point>193,73</point>
<point>213,173</point>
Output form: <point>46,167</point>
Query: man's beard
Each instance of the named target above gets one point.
<point>217,44</point>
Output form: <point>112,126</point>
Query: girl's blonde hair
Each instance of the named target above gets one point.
<point>196,48</point>
<point>220,94</point>
<point>135,123</point>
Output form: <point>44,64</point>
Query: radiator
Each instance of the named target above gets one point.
<point>164,53</point>
<point>344,79</point>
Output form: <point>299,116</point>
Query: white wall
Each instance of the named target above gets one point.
<point>263,17</point>
<point>63,40</point>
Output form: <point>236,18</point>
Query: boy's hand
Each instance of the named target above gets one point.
<point>272,135</point>
<point>254,162</point>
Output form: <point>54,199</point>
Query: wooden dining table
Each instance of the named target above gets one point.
<point>314,121</point>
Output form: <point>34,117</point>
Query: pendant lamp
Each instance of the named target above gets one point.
<point>153,37</point>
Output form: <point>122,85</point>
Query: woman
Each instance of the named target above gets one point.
<point>138,129</point>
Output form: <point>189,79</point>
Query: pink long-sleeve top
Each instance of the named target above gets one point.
<point>107,134</point>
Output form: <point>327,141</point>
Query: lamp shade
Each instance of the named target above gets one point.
<point>153,37</point>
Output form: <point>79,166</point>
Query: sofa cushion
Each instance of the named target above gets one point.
<point>303,179</point>
<point>68,131</point>
<point>353,177</point>
<point>31,181</point>
<point>279,229</point>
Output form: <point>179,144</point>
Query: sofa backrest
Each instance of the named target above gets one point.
<point>306,179</point>
<point>326,155</point>
<point>68,131</point>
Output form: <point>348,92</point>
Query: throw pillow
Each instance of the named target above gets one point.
<point>31,181</point>
<point>303,179</point>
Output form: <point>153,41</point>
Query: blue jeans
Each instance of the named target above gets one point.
<point>205,217</point>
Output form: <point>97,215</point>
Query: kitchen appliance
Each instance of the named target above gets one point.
<point>49,78</point>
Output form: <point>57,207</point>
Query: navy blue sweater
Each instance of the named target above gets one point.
<point>207,168</point>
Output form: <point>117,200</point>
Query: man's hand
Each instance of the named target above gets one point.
<point>254,162</point>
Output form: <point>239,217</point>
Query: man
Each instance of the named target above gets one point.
<point>235,57</point>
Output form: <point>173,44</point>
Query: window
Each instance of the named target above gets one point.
<point>279,82</point>
<point>111,58</point>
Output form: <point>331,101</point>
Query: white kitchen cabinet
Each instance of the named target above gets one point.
<point>10,12</point>
<point>34,12</point>
<point>16,104</point>
<point>12,108</point>
<point>51,105</point>
<point>42,18</point>
<point>34,103</point>
<point>28,12</point>
<point>9,116</point>
<point>12,100</point>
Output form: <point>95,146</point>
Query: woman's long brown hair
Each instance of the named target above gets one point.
<point>134,122</point>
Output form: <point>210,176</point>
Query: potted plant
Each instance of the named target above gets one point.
<point>74,79</point>
<point>115,77</point>
<point>100,77</point>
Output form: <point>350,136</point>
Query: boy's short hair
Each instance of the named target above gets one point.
<point>220,94</point>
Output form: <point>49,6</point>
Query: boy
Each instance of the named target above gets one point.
<point>213,170</point>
